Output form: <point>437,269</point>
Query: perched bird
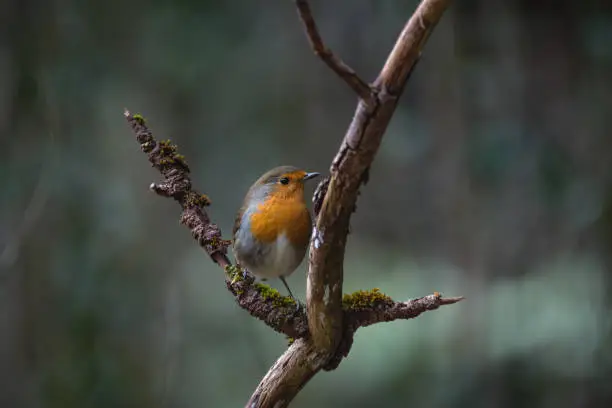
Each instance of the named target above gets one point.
<point>273,226</point>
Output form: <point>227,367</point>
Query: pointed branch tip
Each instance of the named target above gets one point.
<point>451,300</point>
<point>358,85</point>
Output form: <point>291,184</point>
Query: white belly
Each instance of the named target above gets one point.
<point>280,260</point>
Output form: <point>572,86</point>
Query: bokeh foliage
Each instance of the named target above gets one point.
<point>494,181</point>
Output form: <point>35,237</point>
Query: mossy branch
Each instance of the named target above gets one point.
<point>336,197</point>
<point>261,301</point>
<point>277,311</point>
<point>321,341</point>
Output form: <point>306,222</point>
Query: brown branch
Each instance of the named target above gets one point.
<point>349,170</point>
<point>325,333</point>
<point>287,376</point>
<point>361,87</point>
<point>363,309</point>
<point>388,312</point>
<point>278,312</point>
<point>302,361</point>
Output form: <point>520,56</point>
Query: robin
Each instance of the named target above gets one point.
<point>273,227</point>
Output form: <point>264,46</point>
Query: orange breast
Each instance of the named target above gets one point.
<point>280,215</point>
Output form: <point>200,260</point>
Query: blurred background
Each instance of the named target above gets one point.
<point>494,181</point>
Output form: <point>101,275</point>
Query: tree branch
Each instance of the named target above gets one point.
<point>278,312</point>
<point>324,334</point>
<point>365,308</point>
<point>302,361</point>
<point>361,87</point>
<point>349,170</point>
<point>378,312</point>
<point>287,376</point>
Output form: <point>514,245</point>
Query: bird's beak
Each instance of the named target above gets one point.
<point>309,176</point>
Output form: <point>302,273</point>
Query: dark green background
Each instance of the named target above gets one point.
<point>494,181</point>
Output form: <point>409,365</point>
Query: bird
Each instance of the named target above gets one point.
<point>272,229</point>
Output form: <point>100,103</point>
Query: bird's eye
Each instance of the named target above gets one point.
<point>284,180</point>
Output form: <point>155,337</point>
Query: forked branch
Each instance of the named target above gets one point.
<point>349,170</point>
<point>324,333</point>
<point>361,87</point>
<point>278,312</point>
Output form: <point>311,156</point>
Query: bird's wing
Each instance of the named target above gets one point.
<point>238,220</point>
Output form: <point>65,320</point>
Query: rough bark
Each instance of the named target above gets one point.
<point>349,170</point>
<point>323,331</point>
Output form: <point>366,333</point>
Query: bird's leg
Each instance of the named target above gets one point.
<point>245,273</point>
<point>282,278</point>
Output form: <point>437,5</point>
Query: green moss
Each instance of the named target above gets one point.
<point>364,299</point>
<point>290,340</point>
<point>169,154</point>
<point>234,272</point>
<point>272,294</point>
<point>139,118</point>
<point>167,148</point>
<point>197,200</point>
<point>179,158</point>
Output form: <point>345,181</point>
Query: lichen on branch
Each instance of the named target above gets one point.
<point>322,336</point>
<point>277,311</point>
